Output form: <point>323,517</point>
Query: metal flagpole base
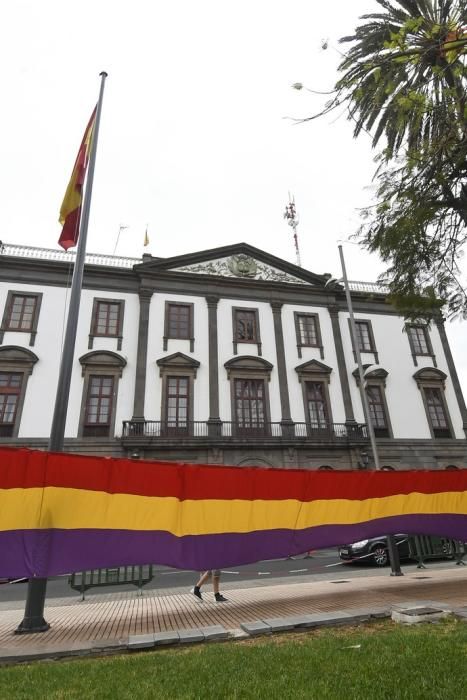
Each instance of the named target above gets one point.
<point>394,557</point>
<point>33,620</point>
<point>31,625</point>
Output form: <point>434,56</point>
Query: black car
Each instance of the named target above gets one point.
<point>374,550</point>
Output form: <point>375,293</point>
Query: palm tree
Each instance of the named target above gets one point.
<point>404,80</point>
<point>405,76</point>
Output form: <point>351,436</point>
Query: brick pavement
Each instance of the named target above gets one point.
<point>101,620</point>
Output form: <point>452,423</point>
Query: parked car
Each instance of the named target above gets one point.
<point>374,550</point>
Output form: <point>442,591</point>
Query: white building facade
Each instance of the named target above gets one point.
<point>225,356</point>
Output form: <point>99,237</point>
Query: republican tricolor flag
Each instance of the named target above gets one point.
<point>67,512</point>
<point>70,212</point>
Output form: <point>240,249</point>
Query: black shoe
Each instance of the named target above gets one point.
<point>220,598</point>
<point>196,592</point>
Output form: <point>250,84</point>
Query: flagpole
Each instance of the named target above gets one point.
<point>33,620</point>
<point>392,546</point>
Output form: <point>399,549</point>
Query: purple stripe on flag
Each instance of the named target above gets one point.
<point>53,552</point>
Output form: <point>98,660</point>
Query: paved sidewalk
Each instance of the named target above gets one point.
<point>106,621</point>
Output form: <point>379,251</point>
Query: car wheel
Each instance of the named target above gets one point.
<point>380,555</point>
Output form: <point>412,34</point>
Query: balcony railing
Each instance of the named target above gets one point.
<point>151,429</point>
<point>372,287</point>
<point>27,251</point>
<point>164,429</point>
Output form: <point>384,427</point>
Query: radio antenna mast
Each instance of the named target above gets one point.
<point>292,219</point>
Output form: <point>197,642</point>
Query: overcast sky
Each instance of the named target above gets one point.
<point>196,139</point>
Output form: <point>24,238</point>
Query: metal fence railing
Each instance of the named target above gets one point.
<point>137,576</point>
<point>251,430</point>
<point>426,547</point>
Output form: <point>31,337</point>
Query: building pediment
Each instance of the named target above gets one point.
<point>313,367</point>
<point>250,365</point>
<point>17,355</point>
<point>240,261</point>
<point>102,361</point>
<point>103,358</point>
<point>427,375</point>
<point>371,372</point>
<point>178,360</point>
<point>241,266</point>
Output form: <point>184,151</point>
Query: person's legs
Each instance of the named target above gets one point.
<point>215,581</point>
<point>216,574</point>
<point>203,578</point>
<point>196,590</point>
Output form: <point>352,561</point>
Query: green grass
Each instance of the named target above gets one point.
<point>392,661</point>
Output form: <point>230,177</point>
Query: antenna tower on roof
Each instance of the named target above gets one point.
<point>291,216</point>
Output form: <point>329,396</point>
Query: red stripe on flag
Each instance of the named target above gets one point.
<point>70,231</point>
<point>70,211</point>
<point>26,469</point>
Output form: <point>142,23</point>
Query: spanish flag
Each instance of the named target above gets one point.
<point>70,212</point>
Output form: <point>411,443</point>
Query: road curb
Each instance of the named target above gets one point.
<point>196,635</point>
<point>217,633</point>
<point>248,616</point>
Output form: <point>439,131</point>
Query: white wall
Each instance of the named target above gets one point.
<point>126,386</point>
<point>41,389</point>
<point>268,352</point>
<point>153,400</point>
<point>330,359</point>
<point>405,403</point>
<point>404,400</point>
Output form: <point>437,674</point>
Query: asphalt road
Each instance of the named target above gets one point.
<point>166,578</point>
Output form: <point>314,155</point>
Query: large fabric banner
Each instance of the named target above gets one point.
<point>61,513</point>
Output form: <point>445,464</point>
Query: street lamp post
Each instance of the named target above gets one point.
<point>392,546</point>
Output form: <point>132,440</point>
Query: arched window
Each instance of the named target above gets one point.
<point>249,379</point>
<point>314,376</point>
<point>16,364</point>
<point>102,370</point>
<point>178,373</point>
<point>387,469</point>
<point>255,462</point>
<point>375,387</point>
<point>452,468</point>
<point>431,381</point>
<point>325,468</point>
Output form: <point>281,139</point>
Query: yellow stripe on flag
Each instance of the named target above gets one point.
<point>69,211</point>
<point>67,508</point>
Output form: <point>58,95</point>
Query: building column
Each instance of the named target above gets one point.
<point>452,371</point>
<point>286,418</point>
<point>142,354</point>
<point>343,376</point>
<point>214,421</point>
